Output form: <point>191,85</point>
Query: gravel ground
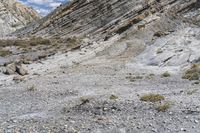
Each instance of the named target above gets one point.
<point>98,90</point>
<point>77,99</point>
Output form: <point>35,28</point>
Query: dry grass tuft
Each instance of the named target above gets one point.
<point>4,53</point>
<point>163,107</point>
<point>31,88</point>
<point>191,92</point>
<point>84,100</point>
<point>134,78</point>
<point>152,98</point>
<point>113,97</point>
<point>192,73</point>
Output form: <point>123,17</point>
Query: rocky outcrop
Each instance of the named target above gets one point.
<point>15,68</point>
<point>169,29</point>
<point>86,17</point>
<point>14,15</point>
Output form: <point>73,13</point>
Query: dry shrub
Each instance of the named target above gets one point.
<point>152,98</point>
<point>192,73</point>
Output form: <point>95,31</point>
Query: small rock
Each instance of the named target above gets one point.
<point>105,109</point>
<point>196,121</point>
<point>183,129</point>
<point>154,130</point>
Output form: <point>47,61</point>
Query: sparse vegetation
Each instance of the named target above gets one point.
<point>150,76</point>
<point>4,53</point>
<point>192,73</point>
<point>163,107</point>
<point>166,74</point>
<point>113,97</point>
<point>152,97</point>
<point>159,34</point>
<point>134,78</point>
<point>84,100</point>
<point>73,42</point>
<point>31,88</point>
<point>191,92</point>
<point>197,82</point>
<point>39,41</point>
<point>24,43</point>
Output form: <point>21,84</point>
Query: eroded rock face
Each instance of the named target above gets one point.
<point>14,15</point>
<point>169,29</point>
<point>86,17</point>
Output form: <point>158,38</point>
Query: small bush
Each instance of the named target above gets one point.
<point>197,82</point>
<point>31,88</point>
<point>150,76</point>
<point>166,74</point>
<point>4,53</point>
<point>192,73</point>
<point>113,97</point>
<point>84,100</point>
<point>163,107</point>
<point>134,78</point>
<point>191,92</point>
<point>73,42</point>
<point>152,98</point>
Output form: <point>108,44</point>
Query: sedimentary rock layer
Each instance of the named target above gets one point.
<point>14,15</point>
<point>85,17</point>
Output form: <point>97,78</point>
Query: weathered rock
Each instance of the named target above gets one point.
<point>14,68</point>
<point>103,17</point>
<point>21,70</point>
<point>14,15</point>
<point>10,69</point>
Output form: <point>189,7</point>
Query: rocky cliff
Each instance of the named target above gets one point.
<point>14,15</point>
<point>83,17</point>
<point>149,22</point>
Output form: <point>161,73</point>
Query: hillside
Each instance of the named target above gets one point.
<point>104,66</point>
<point>82,17</point>
<point>14,15</point>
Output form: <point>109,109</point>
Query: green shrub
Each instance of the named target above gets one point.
<point>166,74</point>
